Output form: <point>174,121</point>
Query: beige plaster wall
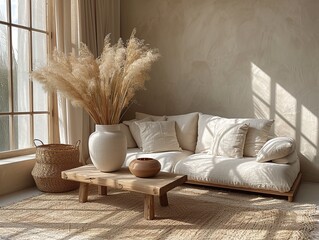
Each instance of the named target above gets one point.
<point>247,58</point>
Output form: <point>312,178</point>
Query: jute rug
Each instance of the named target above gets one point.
<point>193,213</point>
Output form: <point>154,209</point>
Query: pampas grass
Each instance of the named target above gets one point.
<point>105,86</point>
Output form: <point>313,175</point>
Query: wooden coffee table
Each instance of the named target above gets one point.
<point>124,180</point>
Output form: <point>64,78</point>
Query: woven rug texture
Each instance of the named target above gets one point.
<point>193,213</point>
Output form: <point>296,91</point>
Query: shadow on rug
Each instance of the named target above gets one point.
<point>193,213</point>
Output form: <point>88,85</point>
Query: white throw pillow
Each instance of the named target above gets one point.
<point>258,132</point>
<point>158,136</point>
<point>276,148</point>
<point>291,158</point>
<point>140,116</point>
<point>257,136</point>
<point>135,129</point>
<point>186,130</point>
<point>205,132</point>
<point>129,138</point>
<point>229,139</point>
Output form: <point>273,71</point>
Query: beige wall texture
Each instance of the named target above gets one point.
<point>247,58</point>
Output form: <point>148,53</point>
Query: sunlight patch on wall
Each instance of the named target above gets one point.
<point>309,133</point>
<point>261,86</point>
<point>271,100</point>
<point>309,125</point>
<point>285,112</point>
<point>286,105</point>
<point>306,149</point>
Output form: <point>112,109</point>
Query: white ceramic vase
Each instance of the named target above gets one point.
<point>107,147</point>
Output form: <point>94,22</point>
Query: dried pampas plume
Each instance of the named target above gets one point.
<point>105,86</point>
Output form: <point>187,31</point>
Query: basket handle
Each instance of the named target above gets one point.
<point>77,144</point>
<point>37,140</point>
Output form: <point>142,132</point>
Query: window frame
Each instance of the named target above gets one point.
<point>11,111</point>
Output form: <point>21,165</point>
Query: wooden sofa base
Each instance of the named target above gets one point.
<point>290,195</point>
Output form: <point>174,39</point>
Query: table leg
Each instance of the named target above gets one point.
<point>83,192</point>
<point>149,211</point>
<point>102,190</point>
<point>163,200</point>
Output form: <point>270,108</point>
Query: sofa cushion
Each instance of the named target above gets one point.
<point>135,129</point>
<point>158,136</point>
<point>229,139</point>
<point>186,130</point>
<point>238,172</point>
<point>205,133</point>
<point>167,159</point>
<point>291,158</point>
<point>129,138</point>
<point>257,135</point>
<point>278,147</point>
<point>139,116</point>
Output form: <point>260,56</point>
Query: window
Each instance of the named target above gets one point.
<point>24,105</point>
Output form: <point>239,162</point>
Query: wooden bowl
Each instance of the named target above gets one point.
<point>145,167</point>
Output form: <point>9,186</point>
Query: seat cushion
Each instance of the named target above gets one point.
<point>240,172</point>
<point>167,159</point>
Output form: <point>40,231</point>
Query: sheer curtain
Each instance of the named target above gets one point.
<point>72,22</point>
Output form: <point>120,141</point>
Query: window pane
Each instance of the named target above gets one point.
<point>40,97</point>
<point>39,14</point>
<point>4,71</point>
<point>20,12</point>
<point>4,133</point>
<point>41,127</point>
<point>21,128</point>
<point>39,49</point>
<point>3,10</point>
<point>20,59</point>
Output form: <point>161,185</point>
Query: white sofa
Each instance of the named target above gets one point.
<point>214,151</point>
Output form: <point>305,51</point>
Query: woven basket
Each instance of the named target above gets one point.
<point>51,159</point>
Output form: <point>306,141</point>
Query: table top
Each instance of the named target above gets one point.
<point>123,179</point>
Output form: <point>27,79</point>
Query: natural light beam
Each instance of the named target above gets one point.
<point>309,133</point>
<point>261,86</point>
<point>286,105</point>
<point>309,125</point>
<point>285,112</point>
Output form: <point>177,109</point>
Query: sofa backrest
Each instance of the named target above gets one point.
<point>186,130</point>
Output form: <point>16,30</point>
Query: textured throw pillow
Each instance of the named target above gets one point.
<point>158,136</point>
<point>229,140</point>
<point>291,158</point>
<point>129,138</point>
<point>186,130</point>
<point>140,116</point>
<point>276,148</point>
<point>135,129</point>
<point>257,136</point>
<point>205,132</point>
